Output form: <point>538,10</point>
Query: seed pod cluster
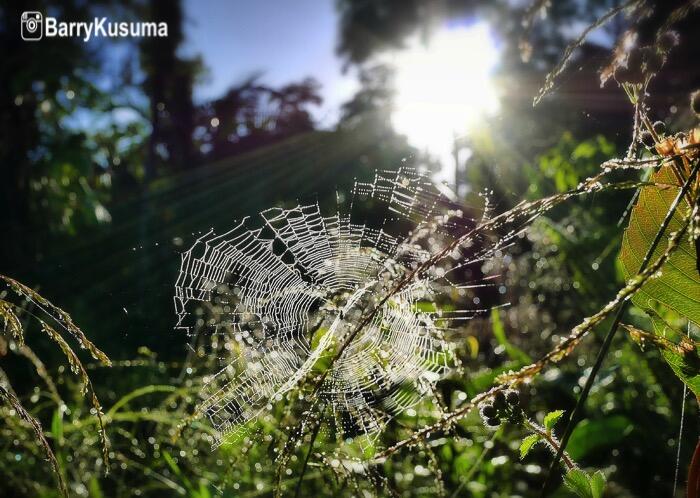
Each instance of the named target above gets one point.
<point>647,139</point>
<point>505,406</point>
<point>660,128</point>
<point>667,40</point>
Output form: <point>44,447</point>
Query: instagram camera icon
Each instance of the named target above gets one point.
<point>32,26</point>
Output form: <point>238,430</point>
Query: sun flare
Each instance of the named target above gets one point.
<point>444,86</point>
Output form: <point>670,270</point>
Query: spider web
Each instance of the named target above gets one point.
<point>276,299</point>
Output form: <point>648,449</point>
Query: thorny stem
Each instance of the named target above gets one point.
<point>446,421</point>
<point>509,379</point>
<point>650,128</point>
<point>614,326</point>
<point>551,440</point>
<point>431,261</point>
<point>450,418</point>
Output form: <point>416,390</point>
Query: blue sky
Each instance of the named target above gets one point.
<point>286,40</point>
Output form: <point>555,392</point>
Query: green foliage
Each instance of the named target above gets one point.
<point>596,434</point>
<point>561,269</point>
<point>57,427</point>
<point>684,360</point>
<point>13,333</point>
<point>570,161</point>
<point>528,443</point>
<point>577,481</point>
<point>585,485</point>
<point>597,483</point>
<point>551,419</point>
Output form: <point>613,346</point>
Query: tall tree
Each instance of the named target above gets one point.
<point>168,84</point>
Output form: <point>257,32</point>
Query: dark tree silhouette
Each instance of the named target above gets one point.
<point>252,114</point>
<point>374,98</point>
<point>168,84</point>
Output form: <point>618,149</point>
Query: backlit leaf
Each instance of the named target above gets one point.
<point>551,419</point>
<point>676,292</point>
<point>577,481</point>
<point>528,443</point>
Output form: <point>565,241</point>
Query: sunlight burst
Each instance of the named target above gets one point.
<point>444,86</point>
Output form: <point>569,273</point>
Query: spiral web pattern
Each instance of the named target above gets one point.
<point>277,301</point>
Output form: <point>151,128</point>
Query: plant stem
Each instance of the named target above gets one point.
<point>551,441</point>
<point>314,435</point>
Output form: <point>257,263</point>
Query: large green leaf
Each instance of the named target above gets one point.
<point>577,481</point>
<point>597,483</point>
<point>676,292</point>
<point>593,435</point>
<point>684,359</point>
<point>585,485</point>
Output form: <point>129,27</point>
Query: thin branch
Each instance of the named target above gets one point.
<point>314,435</point>
<point>554,356</point>
<point>564,63</point>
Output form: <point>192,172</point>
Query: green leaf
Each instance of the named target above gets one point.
<point>592,435</point>
<point>473,345</point>
<point>464,463</point>
<point>552,418</point>
<point>483,379</point>
<point>676,292</point>
<point>203,491</point>
<point>578,482</point>
<point>597,483</point>
<point>94,488</point>
<point>171,463</point>
<point>528,444</point>
<point>57,427</point>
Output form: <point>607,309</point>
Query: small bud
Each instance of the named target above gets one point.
<point>513,398</point>
<point>695,102</point>
<point>647,139</point>
<point>631,72</point>
<point>493,422</point>
<point>653,60</point>
<point>660,128</point>
<point>488,411</point>
<point>499,400</point>
<point>668,40</point>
